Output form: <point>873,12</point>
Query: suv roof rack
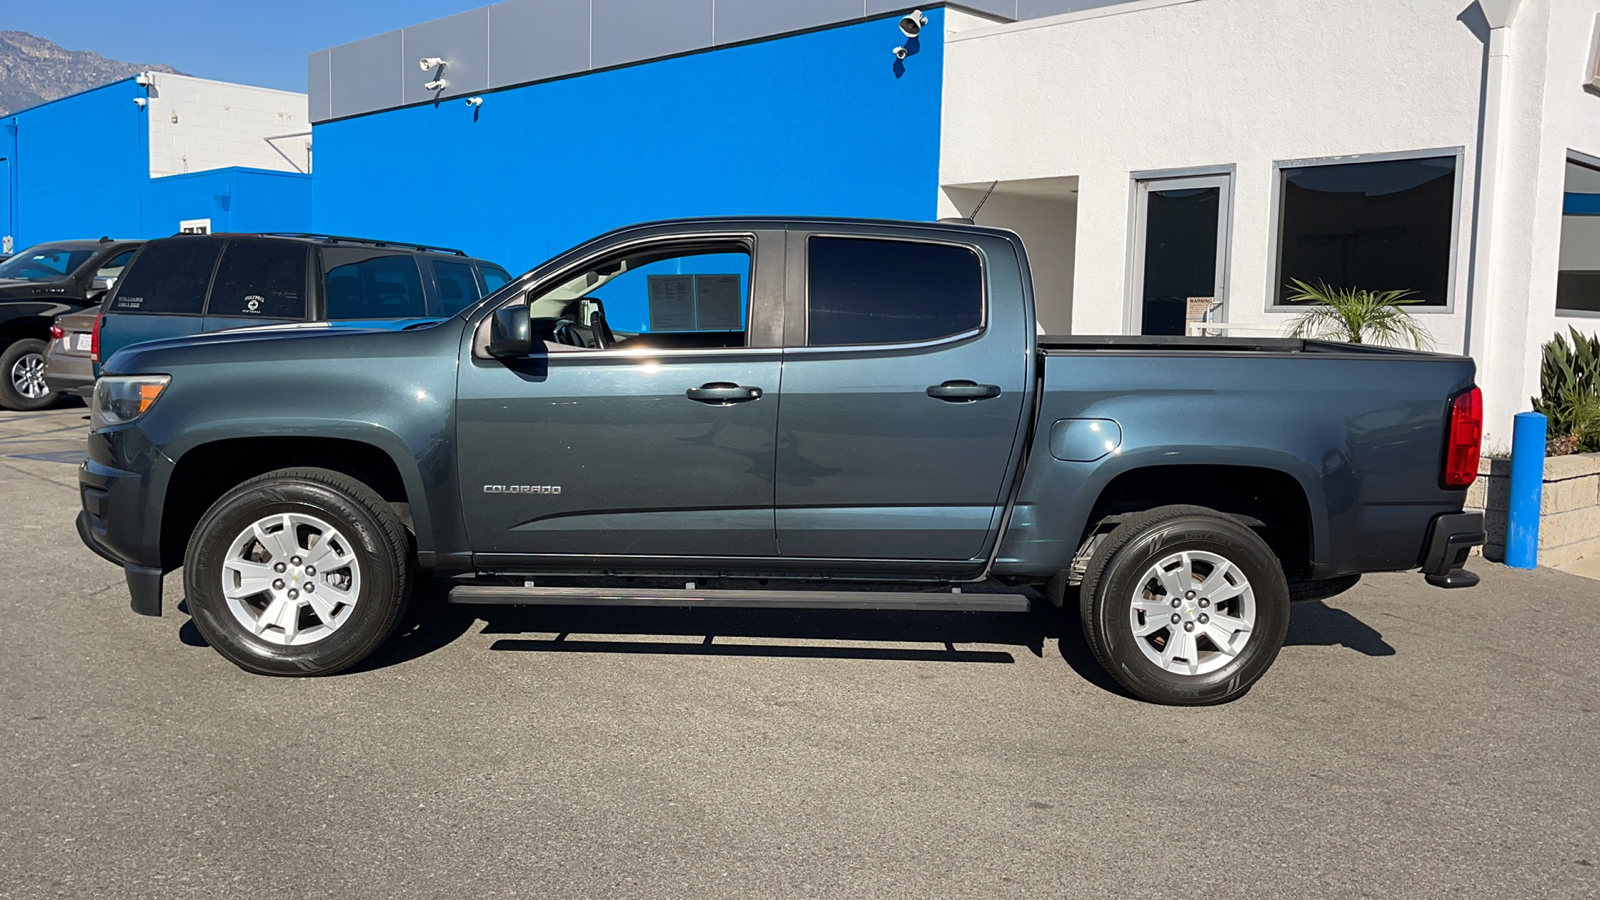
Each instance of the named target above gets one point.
<point>365,242</point>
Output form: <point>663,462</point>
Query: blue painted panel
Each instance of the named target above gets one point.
<point>80,165</point>
<point>534,39</point>
<point>5,202</point>
<point>270,201</point>
<point>1581,205</point>
<point>818,123</point>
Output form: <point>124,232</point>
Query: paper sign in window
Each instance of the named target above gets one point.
<point>672,303</point>
<point>719,304</point>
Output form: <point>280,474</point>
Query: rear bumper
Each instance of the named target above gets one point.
<point>1451,538</point>
<point>69,374</point>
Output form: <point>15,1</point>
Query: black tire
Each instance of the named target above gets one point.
<point>1106,602</point>
<point>14,355</point>
<point>377,540</point>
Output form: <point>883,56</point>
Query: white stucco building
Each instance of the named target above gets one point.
<point>1158,152</point>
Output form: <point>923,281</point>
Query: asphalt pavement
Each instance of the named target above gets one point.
<point>1410,742</point>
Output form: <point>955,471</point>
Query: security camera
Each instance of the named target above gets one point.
<point>438,84</point>
<point>899,53</point>
<point>474,101</point>
<point>142,80</point>
<point>911,24</point>
<point>433,62</point>
<point>140,101</point>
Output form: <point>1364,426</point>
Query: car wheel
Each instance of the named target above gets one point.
<point>298,572</point>
<point>22,384</point>
<point>1185,606</point>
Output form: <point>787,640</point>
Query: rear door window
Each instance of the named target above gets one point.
<point>457,288</point>
<point>260,278</point>
<point>494,277</point>
<point>372,284</point>
<point>169,277</point>
<point>862,291</point>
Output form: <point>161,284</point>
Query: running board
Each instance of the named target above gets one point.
<point>587,596</point>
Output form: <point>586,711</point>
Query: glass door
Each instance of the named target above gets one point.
<point>1180,266</point>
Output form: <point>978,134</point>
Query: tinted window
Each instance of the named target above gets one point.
<point>260,278</point>
<point>494,277</point>
<point>457,287</point>
<point>1578,284</point>
<point>366,284</point>
<point>890,292</point>
<point>46,262</point>
<point>112,267</point>
<point>168,277</point>
<point>1376,226</point>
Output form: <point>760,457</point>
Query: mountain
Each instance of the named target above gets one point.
<point>34,70</point>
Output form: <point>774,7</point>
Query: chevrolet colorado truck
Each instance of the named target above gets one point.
<point>810,413</point>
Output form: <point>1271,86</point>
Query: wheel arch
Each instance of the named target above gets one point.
<point>206,470</point>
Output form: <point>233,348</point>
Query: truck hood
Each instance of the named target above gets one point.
<point>20,289</point>
<point>288,343</point>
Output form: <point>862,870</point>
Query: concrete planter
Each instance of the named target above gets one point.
<point>1569,514</point>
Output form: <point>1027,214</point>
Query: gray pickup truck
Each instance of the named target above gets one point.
<point>808,413</point>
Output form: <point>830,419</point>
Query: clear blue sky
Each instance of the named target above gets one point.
<point>260,42</point>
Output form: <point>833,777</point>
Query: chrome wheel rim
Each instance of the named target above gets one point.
<point>27,376</point>
<point>1193,612</point>
<point>291,579</point>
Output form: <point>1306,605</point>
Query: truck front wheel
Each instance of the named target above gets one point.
<point>1183,605</point>
<point>297,572</point>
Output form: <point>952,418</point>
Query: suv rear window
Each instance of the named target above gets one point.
<point>890,292</point>
<point>168,277</point>
<point>368,284</point>
<point>262,278</point>
<point>457,287</point>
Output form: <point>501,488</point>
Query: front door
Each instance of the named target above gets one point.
<point>1181,253</point>
<point>902,398</point>
<point>646,425</point>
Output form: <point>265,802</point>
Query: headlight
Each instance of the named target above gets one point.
<point>123,398</point>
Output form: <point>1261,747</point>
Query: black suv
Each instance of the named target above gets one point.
<point>187,284</point>
<point>36,285</point>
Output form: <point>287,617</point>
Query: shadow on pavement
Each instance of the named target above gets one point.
<point>432,624</point>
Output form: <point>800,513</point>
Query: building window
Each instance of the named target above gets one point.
<point>1381,225</point>
<point>1578,284</point>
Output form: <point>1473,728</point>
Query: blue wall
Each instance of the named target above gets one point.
<point>79,167</point>
<point>821,123</point>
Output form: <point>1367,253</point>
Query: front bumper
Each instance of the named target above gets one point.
<point>1451,538</point>
<point>122,486</point>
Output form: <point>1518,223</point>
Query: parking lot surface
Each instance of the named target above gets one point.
<point>1410,742</point>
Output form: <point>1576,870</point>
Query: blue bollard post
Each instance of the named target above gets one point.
<point>1527,490</point>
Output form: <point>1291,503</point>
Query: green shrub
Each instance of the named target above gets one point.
<point>1569,393</point>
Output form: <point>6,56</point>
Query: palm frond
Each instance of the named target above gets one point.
<point>1356,316</point>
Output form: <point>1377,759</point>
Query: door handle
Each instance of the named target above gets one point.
<point>723,393</point>
<point>963,391</point>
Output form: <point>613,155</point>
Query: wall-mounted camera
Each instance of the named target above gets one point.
<point>429,63</point>
<point>911,23</point>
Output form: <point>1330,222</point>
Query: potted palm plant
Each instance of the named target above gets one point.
<point>1356,316</point>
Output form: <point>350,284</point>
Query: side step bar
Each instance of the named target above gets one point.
<point>587,596</point>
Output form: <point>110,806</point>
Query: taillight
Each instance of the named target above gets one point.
<point>57,332</point>
<point>1463,439</point>
<point>94,338</point>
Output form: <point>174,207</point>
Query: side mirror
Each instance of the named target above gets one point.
<point>101,284</point>
<point>510,332</point>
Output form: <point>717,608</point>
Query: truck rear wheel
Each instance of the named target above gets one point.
<point>297,572</point>
<point>1185,606</point>
<point>22,384</point>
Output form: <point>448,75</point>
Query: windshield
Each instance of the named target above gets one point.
<point>45,262</point>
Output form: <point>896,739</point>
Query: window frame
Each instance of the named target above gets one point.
<point>752,243</point>
<point>1593,162</point>
<point>1139,186</point>
<point>1275,222</point>
<point>437,300</point>
<point>799,253</point>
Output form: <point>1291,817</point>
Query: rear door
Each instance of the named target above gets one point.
<point>162,294</point>
<point>260,281</point>
<point>905,373</point>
